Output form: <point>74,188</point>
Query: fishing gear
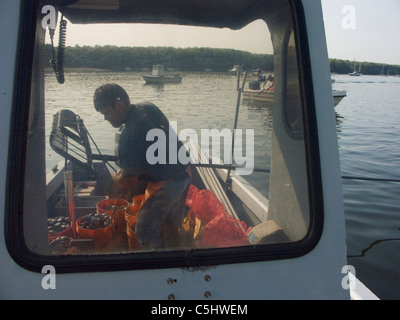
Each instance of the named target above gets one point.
<point>58,64</point>
<point>70,139</point>
<point>364,251</point>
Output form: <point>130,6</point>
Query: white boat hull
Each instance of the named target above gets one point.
<point>163,79</point>
<point>257,95</point>
<point>268,96</point>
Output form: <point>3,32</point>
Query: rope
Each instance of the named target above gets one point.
<point>370,179</point>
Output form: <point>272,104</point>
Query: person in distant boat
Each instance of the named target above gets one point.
<point>160,217</point>
<point>269,79</point>
<point>260,76</point>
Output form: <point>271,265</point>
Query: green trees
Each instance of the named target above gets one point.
<point>140,58</point>
<point>192,59</point>
<point>369,68</point>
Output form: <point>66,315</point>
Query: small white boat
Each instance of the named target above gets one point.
<point>355,74</point>
<point>259,95</point>
<point>268,96</point>
<point>159,77</point>
<point>235,69</point>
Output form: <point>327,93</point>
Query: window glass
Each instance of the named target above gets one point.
<point>158,137</point>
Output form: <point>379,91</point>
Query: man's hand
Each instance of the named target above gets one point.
<point>125,182</point>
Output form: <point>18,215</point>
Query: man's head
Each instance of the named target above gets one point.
<point>112,101</point>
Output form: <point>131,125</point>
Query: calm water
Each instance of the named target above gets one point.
<point>201,101</point>
<point>368,132</point>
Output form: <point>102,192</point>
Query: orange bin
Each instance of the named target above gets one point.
<point>131,212</point>
<point>58,246</point>
<point>69,232</point>
<point>137,200</point>
<point>107,206</point>
<point>102,238</point>
<point>133,242</point>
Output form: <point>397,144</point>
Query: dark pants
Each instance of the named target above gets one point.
<point>159,223</point>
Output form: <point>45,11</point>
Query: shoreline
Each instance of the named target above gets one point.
<point>83,69</point>
<point>89,69</point>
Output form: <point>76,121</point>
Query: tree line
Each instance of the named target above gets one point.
<point>140,58</point>
<point>368,68</point>
<point>191,59</point>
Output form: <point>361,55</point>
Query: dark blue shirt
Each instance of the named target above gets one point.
<point>133,146</point>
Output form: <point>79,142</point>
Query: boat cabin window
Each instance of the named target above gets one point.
<point>165,140</point>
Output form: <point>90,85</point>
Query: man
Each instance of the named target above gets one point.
<point>160,218</point>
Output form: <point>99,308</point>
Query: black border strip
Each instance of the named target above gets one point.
<point>13,223</point>
<point>311,136</point>
<point>193,258</point>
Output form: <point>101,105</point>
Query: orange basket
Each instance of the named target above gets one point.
<point>107,206</point>
<point>102,238</point>
<point>133,242</point>
<point>131,212</point>
<point>137,200</point>
<point>61,248</point>
<point>69,232</point>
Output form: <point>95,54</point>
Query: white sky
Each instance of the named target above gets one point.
<point>374,35</point>
<point>145,35</point>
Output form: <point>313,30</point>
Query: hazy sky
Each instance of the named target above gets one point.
<point>144,35</point>
<point>375,37</point>
<point>361,30</point>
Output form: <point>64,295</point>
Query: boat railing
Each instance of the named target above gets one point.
<point>239,90</point>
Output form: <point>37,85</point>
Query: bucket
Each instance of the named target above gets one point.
<point>69,232</point>
<point>102,237</point>
<point>61,245</point>
<point>131,212</point>
<point>60,224</point>
<point>133,242</point>
<point>107,206</point>
<point>137,200</point>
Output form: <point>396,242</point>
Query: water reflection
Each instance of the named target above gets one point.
<point>339,122</point>
<point>260,108</point>
<point>159,87</point>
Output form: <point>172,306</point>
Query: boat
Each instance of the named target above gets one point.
<point>338,96</point>
<point>158,76</point>
<point>235,69</point>
<point>286,244</point>
<point>259,95</point>
<point>267,96</point>
<point>355,73</point>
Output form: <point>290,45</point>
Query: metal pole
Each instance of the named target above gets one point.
<point>69,198</point>
<point>227,166</point>
<point>239,89</point>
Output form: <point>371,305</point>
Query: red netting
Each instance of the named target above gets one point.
<point>218,229</point>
